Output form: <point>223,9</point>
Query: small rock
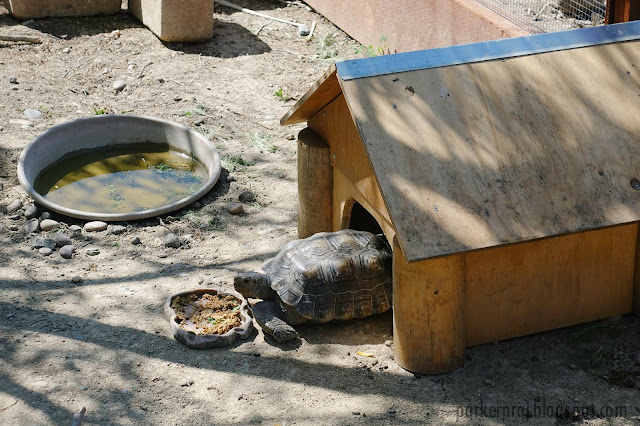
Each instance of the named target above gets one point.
<point>92,251</point>
<point>247,197</point>
<point>489,383</point>
<point>119,85</point>
<point>235,208</point>
<point>9,316</point>
<point>45,215</point>
<point>32,114</point>
<point>95,226</point>
<point>172,240</point>
<point>38,243</point>
<point>21,122</point>
<point>45,251</point>
<point>76,280</point>
<point>75,229</point>
<point>136,241</point>
<point>66,50</point>
<point>15,217</point>
<point>62,240</point>
<point>116,229</point>
<point>31,226</point>
<point>67,251</point>
<point>13,79</point>
<point>388,342</point>
<point>14,206</point>
<point>355,413</point>
<point>1,186</point>
<point>291,137</point>
<point>573,366</point>
<point>49,225</point>
<point>31,212</point>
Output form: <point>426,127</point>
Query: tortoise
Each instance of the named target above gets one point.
<point>328,276</point>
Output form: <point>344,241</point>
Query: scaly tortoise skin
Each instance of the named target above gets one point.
<point>328,276</point>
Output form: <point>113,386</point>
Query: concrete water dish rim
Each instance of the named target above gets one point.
<point>212,163</point>
<point>195,341</point>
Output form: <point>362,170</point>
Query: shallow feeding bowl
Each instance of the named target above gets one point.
<point>123,167</point>
<point>208,318</point>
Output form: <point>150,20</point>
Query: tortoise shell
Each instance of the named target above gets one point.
<point>333,276</point>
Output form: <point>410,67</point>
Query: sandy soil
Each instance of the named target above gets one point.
<point>90,331</point>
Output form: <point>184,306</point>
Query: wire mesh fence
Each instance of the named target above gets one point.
<point>543,16</point>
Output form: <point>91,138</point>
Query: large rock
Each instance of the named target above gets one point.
<point>27,9</point>
<point>171,20</point>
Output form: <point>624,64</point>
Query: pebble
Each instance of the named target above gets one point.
<point>32,114</point>
<point>172,240</point>
<point>21,122</point>
<point>136,241</point>
<point>9,316</point>
<point>92,251</point>
<point>38,243</point>
<point>66,50</point>
<point>76,280</point>
<point>49,225</point>
<point>95,226</point>
<point>31,212</point>
<point>62,240</point>
<point>45,251</point>
<point>31,226</point>
<point>67,251</point>
<point>15,217</point>
<point>13,79</point>
<point>247,197</point>
<point>235,208</point>
<point>388,342</point>
<point>75,229</point>
<point>117,229</point>
<point>1,186</point>
<point>355,413</point>
<point>291,137</point>
<point>119,85</point>
<point>14,205</point>
<point>45,215</point>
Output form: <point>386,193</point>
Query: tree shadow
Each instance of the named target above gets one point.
<point>229,40</point>
<point>76,26</point>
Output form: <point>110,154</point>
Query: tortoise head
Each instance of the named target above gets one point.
<point>379,242</point>
<point>254,285</point>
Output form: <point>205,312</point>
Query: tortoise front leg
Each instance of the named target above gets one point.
<point>270,317</point>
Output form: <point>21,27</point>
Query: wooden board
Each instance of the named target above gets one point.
<point>542,285</point>
<point>416,24</point>
<point>353,176</point>
<point>317,97</point>
<point>486,154</point>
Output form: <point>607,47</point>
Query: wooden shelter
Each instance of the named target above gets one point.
<point>505,173</point>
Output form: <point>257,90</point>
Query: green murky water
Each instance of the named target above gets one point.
<point>122,179</point>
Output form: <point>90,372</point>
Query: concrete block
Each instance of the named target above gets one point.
<point>27,9</point>
<point>171,20</point>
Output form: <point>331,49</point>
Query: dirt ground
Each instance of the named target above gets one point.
<point>90,331</point>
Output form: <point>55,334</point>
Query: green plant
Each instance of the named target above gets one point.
<point>197,110</point>
<point>282,95</point>
<point>370,50</point>
<point>216,224</point>
<point>231,162</point>
<point>100,111</point>
<point>262,140</point>
<point>115,244</point>
<point>325,46</point>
